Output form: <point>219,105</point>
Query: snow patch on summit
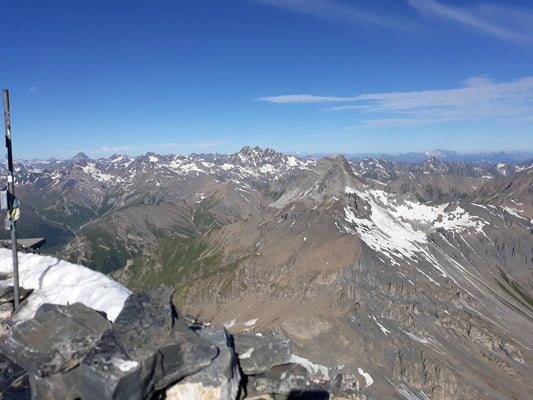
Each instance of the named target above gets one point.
<point>397,229</point>
<point>57,281</point>
<point>90,169</point>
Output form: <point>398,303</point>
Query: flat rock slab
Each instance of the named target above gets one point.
<point>259,354</point>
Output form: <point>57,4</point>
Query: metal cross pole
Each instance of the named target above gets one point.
<point>11,190</point>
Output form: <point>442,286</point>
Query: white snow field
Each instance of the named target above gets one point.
<point>57,281</point>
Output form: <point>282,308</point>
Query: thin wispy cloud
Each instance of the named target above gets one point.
<point>338,12</point>
<point>400,122</point>
<point>304,98</point>
<point>503,22</point>
<point>479,98</point>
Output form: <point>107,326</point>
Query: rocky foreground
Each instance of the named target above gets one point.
<point>150,351</point>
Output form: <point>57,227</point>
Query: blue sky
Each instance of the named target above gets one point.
<point>338,76</point>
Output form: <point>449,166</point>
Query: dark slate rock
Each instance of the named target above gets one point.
<point>53,387</point>
<point>14,381</point>
<point>7,294</point>
<point>220,380</point>
<point>148,348</point>
<point>55,340</point>
<point>286,380</point>
<point>258,354</point>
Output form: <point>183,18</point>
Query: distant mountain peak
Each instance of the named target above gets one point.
<point>81,156</point>
<point>247,150</point>
<point>339,163</point>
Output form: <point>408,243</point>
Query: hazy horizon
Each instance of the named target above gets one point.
<point>446,155</point>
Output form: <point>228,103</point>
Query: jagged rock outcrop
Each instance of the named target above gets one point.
<point>149,352</point>
<point>148,347</point>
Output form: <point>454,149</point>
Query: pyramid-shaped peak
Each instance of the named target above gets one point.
<point>339,163</point>
<point>81,156</point>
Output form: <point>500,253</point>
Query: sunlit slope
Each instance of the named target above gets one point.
<point>429,297</point>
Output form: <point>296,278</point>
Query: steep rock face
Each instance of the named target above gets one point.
<point>514,192</point>
<point>434,187</point>
<point>386,170</point>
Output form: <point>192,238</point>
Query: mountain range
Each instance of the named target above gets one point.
<point>419,273</point>
<point>481,159</point>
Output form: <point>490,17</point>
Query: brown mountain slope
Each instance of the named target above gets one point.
<point>432,300</point>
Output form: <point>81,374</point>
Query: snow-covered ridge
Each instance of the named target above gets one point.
<point>98,175</point>
<point>397,229</point>
<point>57,281</point>
<point>248,163</point>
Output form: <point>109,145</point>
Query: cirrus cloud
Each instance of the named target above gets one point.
<point>480,97</point>
<point>503,22</point>
<point>336,11</point>
<point>304,98</point>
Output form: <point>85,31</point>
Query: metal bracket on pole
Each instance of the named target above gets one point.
<point>11,190</point>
